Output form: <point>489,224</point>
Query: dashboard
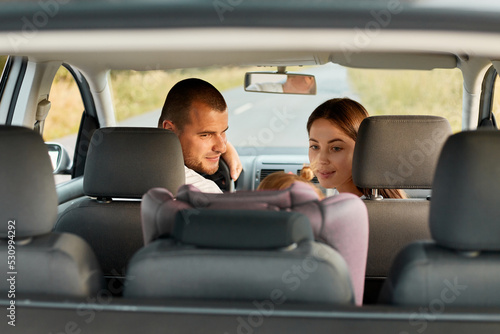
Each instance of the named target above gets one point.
<point>257,167</point>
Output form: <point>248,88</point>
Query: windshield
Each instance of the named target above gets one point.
<point>266,120</point>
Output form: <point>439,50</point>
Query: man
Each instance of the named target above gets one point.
<point>197,113</point>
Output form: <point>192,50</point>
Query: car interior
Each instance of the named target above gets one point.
<point>103,235</point>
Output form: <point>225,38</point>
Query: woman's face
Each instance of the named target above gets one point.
<point>330,155</point>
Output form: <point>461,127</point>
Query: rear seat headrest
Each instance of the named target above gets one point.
<point>241,229</point>
<point>398,152</point>
<point>28,195</point>
<point>127,162</point>
<point>464,212</point>
<point>158,208</point>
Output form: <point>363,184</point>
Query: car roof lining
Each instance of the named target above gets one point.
<point>379,60</point>
<point>189,48</point>
<point>175,60</point>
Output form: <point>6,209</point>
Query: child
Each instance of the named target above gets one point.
<point>282,180</point>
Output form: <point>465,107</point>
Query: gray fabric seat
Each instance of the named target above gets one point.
<point>243,246</point>
<point>395,152</point>
<point>44,263</point>
<point>461,265</point>
<point>122,165</point>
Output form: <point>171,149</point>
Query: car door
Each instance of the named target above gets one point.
<point>489,108</point>
<point>54,99</point>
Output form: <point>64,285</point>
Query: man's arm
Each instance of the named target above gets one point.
<point>233,161</point>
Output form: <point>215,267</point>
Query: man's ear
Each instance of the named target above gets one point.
<point>168,125</point>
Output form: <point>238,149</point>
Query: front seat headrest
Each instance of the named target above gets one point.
<point>127,162</point>
<point>398,152</point>
<point>464,211</point>
<point>28,194</point>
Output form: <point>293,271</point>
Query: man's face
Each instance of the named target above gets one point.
<point>298,84</point>
<point>203,138</point>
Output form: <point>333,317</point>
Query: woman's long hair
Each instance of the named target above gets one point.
<point>348,114</point>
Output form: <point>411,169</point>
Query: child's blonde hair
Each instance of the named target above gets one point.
<point>282,180</point>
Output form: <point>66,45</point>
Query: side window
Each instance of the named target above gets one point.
<point>63,120</point>
<point>3,60</point>
<point>495,108</point>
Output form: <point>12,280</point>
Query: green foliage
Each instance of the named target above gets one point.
<point>66,109</point>
<point>137,92</point>
<point>3,60</point>
<point>496,100</point>
<point>134,93</point>
<point>437,92</point>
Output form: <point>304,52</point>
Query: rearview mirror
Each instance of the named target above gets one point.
<point>281,83</point>
<point>61,162</point>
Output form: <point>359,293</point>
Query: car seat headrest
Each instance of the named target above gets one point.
<point>398,152</point>
<point>158,207</point>
<point>28,196</point>
<point>241,229</point>
<point>464,210</point>
<point>127,162</point>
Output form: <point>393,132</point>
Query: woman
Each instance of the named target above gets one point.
<point>333,129</point>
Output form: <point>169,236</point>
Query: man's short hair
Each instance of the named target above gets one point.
<point>181,97</point>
